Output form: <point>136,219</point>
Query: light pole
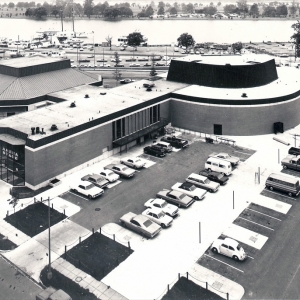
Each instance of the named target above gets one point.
<point>94,47</point>
<point>103,56</point>
<point>49,274</point>
<point>62,23</point>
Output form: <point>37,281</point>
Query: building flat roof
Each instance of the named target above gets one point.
<point>95,107</point>
<point>286,84</point>
<point>22,62</point>
<point>234,60</point>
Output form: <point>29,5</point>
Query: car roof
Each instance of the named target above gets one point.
<point>176,193</point>
<point>188,184</point>
<point>231,242</point>
<point>155,210</point>
<point>96,176</point>
<point>197,176</point>
<point>85,183</point>
<point>140,218</point>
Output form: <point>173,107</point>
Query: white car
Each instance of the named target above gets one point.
<point>88,189</point>
<point>189,189</point>
<point>134,65</point>
<point>133,162</point>
<point>167,208</point>
<point>114,60</point>
<point>229,247</point>
<point>110,175</point>
<point>158,216</point>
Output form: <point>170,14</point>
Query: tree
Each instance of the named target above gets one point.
<point>149,11</point>
<point>11,5</point>
<point>210,10</point>
<point>161,11</point>
<point>88,7</point>
<point>219,4</point>
<point>254,10</point>
<point>269,11</point>
<point>296,38</point>
<point>111,12</point>
<point>293,8</point>
<point>109,39</point>
<point>40,12</point>
<point>186,40</point>
<point>29,12</point>
<point>230,9</point>
<point>190,8</point>
<point>117,74</point>
<point>281,10</point>
<point>153,70</point>
<point>242,6</point>
<point>55,11</point>
<point>125,12</point>
<point>237,47</point>
<point>161,4</point>
<point>135,39</point>
<point>173,11</point>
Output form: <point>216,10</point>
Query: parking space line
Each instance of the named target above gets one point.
<point>265,189</point>
<point>263,214</point>
<point>224,263</point>
<point>242,152</point>
<point>256,223</point>
<point>250,256</point>
<point>78,196</point>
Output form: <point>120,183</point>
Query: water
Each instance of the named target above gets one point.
<point>159,31</point>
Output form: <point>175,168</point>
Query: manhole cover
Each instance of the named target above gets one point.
<point>217,285</point>
<point>253,239</point>
<point>97,209</point>
<point>78,279</point>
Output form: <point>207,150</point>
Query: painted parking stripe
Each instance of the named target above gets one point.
<point>245,236</point>
<point>256,223</point>
<point>250,256</point>
<point>176,149</point>
<point>242,152</point>
<point>279,194</point>
<point>224,263</point>
<point>79,196</point>
<point>263,214</point>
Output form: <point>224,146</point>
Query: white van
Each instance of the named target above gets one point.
<point>218,165</point>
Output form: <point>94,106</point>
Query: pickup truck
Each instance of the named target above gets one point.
<point>97,180</point>
<point>291,162</point>
<point>294,151</point>
<point>232,159</point>
<point>121,170</point>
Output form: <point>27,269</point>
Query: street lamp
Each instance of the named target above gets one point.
<point>49,274</point>
<point>94,47</point>
<point>62,23</point>
<point>166,55</point>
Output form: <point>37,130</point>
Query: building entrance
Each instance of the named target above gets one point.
<point>12,168</point>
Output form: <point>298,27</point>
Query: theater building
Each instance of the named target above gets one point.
<point>224,95</point>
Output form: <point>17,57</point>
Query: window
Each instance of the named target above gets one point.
<point>231,248</point>
<point>225,246</point>
<point>208,162</point>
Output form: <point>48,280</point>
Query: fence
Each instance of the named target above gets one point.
<point>204,283</point>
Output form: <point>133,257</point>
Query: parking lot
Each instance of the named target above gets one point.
<point>131,194</point>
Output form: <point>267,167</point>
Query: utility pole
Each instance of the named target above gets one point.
<point>49,274</point>
<point>62,23</point>
<point>295,137</point>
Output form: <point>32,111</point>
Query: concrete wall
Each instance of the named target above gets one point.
<point>235,120</point>
<point>54,159</point>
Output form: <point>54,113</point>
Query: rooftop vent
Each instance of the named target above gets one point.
<point>244,95</point>
<point>32,130</point>
<point>227,64</point>
<point>86,96</point>
<point>103,93</point>
<point>73,104</point>
<point>149,89</point>
<point>53,127</point>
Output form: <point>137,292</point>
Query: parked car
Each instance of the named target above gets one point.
<point>291,162</point>
<point>148,85</point>
<point>134,65</point>
<point>88,189</point>
<point>126,80</point>
<point>158,216</point>
<point>294,151</point>
<point>119,66</point>
<point>190,190</point>
<point>229,247</point>
<point>160,64</point>
<point>110,175</point>
<point>133,162</point>
<point>232,159</point>
<point>166,146</point>
<point>140,224</point>
<point>155,151</point>
<point>214,176</point>
<point>121,170</point>
<point>175,141</point>
<point>169,209</point>
<point>176,198</point>
<point>147,65</point>
<point>114,60</point>
<point>96,179</point>
<point>203,182</point>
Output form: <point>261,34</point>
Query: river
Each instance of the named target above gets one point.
<point>159,31</point>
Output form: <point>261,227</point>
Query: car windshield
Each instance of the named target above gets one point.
<point>99,179</point>
<point>164,204</point>
<point>110,173</point>
<point>147,223</point>
<point>192,188</point>
<point>181,196</point>
<point>220,176</point>
<point>160,215</point>
<point>90,186</point>
<point>238,247</point>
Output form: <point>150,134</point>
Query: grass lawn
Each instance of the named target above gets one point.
<point>34,218</point>
<point>60,281</point>
<point>186,289</point>
<point>6,244</point>
<point>98,255</point>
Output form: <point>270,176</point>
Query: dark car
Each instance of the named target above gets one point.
<point>214,176</point>
<point>126,80</point>
<point>148,85</point>
<point>119,66</point>
<point>175,141</point>
<point>294,151</point>
<point>156,151</point>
